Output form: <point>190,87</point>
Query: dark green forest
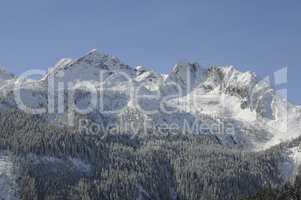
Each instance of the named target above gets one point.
<point>123,167</point>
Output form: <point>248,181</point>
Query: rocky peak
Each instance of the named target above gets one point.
<point>89,67</point>
<point>101,61</point>
<point>187,73</point>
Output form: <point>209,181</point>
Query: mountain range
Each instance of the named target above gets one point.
<point>239,116</point>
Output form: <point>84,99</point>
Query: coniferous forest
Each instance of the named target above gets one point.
<point>60,163</point>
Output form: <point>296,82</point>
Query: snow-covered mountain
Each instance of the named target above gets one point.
<point>189,95</point>
<point>214,119</point>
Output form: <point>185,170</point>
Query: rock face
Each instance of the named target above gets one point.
<point>188,93</point>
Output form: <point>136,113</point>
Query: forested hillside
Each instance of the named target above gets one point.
<point>60,163</point>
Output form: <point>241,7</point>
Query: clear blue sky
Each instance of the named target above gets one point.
<point>257,35</point>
